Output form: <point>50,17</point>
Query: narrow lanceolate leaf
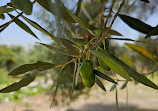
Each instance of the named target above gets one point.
<point>2,16</point>
<point>22,25</point>
<point>39,66</point>
<point>5,10</point>
<point>124,39</point>
<point>24,5</point>
<point>113,87</point>
<point>111,32</point>
<point>122,69</point>
<point>80,21</point>
<point>146,1</point>
<point>129,62</point>
<point>56,10</point>
<point>38,27</point>
<point>18,85</point>
<point>124,85</point>
<point>78,7</point>
<point>154,31</point>
<point>79,42</point>
<point>142,51</point>
<point>100,74</point>
<point>56,49</point>
<point>100,84</point>
<point>112,62</point>
<point>136,24</point>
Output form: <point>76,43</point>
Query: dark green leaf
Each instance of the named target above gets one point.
<point>154,31</point>
<point>18,85</point>
<point>5,10</point>
<point>122,69</point>
<point>125,39</point>
<point>98,73</point>
<point>39,66</point>
<point>99,83</point>
<point>56,10</point>
<point>146,1</point>
<point>136,24</point>
<point>2,16</point>
<point>24,5</point>
<point>38,27</point>
<point>78,7</point>
<point>22,25</point>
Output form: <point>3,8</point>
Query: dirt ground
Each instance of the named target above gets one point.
<point>140,98</point>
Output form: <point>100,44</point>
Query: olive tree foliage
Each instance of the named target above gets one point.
<point>82,35</point>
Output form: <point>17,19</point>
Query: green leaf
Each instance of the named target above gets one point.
<point>2,16</point>
<point>124,39</point>
<point>70,46</point>
<point>124,85</point>
<point>129,62</point>
<point>112,32</point>
<point>113,87</point>
<point>56,49</point>
<point>39,66</point>
<point>83,23</point>
<point>79,42</point>
<point>112,62</point>
<point>24,5</point>
<point>136,24</point>
<point>100,84</point>
<point>5,10</point>
<point>23,25</point>
<point>56,10</point>
<point>142,51</point>
<point>38,27</point>
<point>146,1</point>
<point>78,7</point>
<point>98,73</point>
<point>154,31</point>
<point>18,85</point>
<point>122,69</point>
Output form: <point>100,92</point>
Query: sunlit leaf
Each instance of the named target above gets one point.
<point>136,24</point>
<point>39,66</point>
<point>100,74</point>
<point>5,10</point>
<point>24,5</point>
<point>18,85</point>
<point>112,62</point>
<point>128,61</point>
<point>38,27</point>
<point>23,25</point>
<point>122,69</point>
<point>142,51</point>
<point>100,84</point>
<point>124,39</point>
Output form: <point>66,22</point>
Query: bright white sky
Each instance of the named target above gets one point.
<point>13,35</point>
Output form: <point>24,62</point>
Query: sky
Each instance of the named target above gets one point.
<point>14,35</point>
